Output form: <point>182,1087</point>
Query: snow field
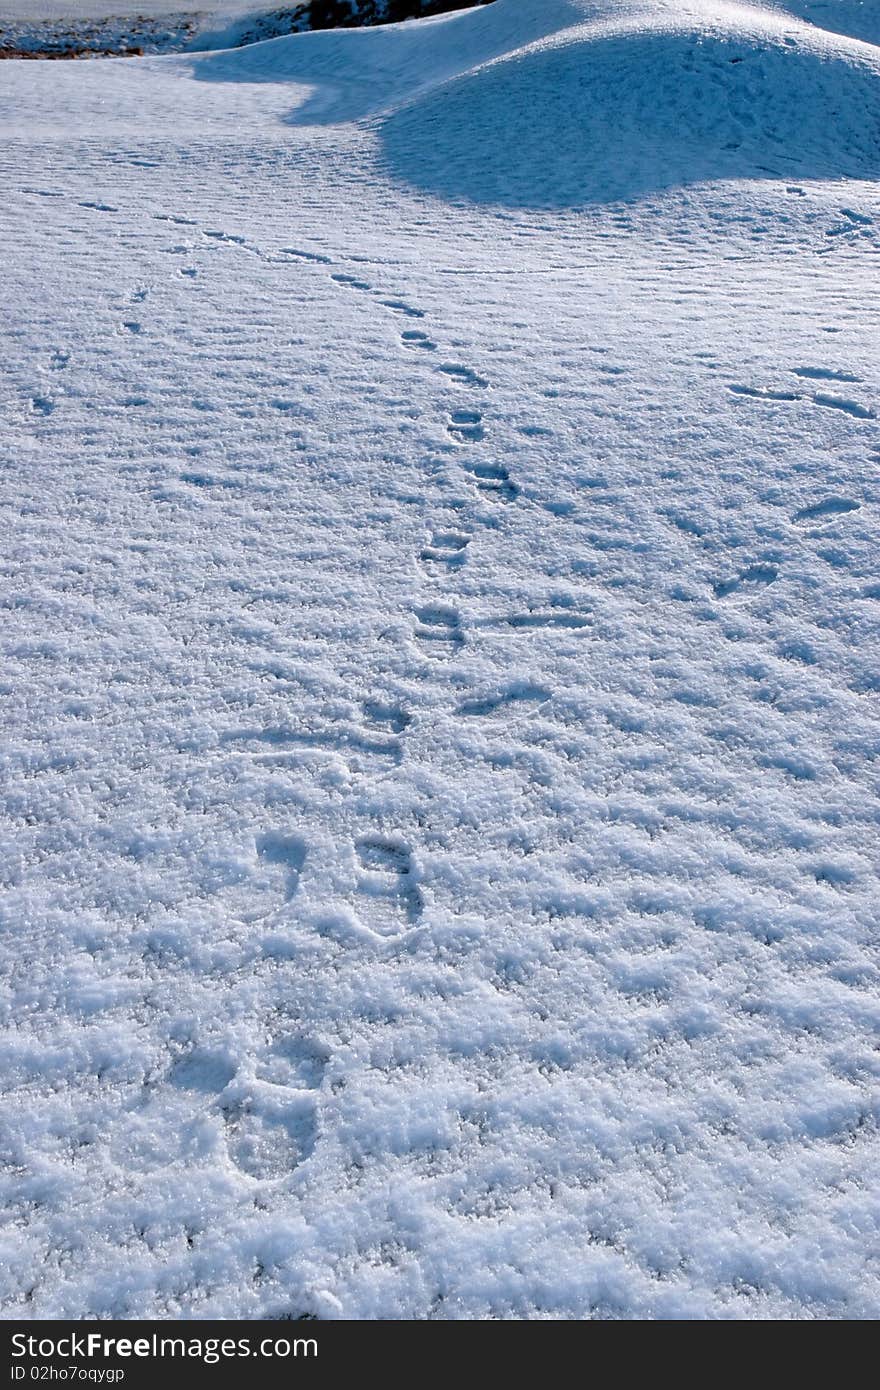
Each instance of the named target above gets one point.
<point>441,637</point>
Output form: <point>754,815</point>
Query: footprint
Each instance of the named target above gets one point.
<point>856,224</point>
<point>389,879</point>
<point>295,1062</point>
<point>383,716</point>
<point>445,551</point>
<point>764,393</point>
<point>248,887</point>
<point>400,307</point>
<point>487,705</point>
<point>189,270</point>
<point>351,281</point>
<point>269,1142</point>
<point>494,480</point>
<point>438,631</point>
<point>227,237</point>
<point>823,374</point>
<point>207,480</point>
<point>200,1070</point>
<point>99,207</point>
<point>288,852</point>
<point>466,426</point>
<point>553,615</point>
<point>178,221</point>
<point>132,326</point>
<point>832,506</point>
<point>59,360</point>
<point>360,752</point>
<point>314,256</point>
<point>463,375</point>
<point>42,405</point>
<point>755,577</point>
<point>415,339</point>
<point>858,412</point>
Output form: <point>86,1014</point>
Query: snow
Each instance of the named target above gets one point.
<point>440,672</point>
<point>858,18</point>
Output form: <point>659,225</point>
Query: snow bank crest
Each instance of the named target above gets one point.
<point>563,102</point>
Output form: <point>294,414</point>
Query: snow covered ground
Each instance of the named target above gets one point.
<point>441,626</point>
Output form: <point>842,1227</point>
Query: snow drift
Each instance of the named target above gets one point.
<point>565,102</point>
<point>597,118</point>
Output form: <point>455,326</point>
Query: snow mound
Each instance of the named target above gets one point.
<point>599,116</point>
<point>562,103</point>
<point>860,19</point>
<point>347,74</point>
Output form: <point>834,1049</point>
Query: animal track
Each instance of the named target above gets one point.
<point>414,338</point>
<point>99,207</point>
<point>169,217</point>
<point>446,551</point>
<point>755,577</point>
<point>42,405</point>
<point>389,879</point>
<point>438,631</point>
<point>494,480</point>
<point>59,360</point>
<point>832,506</point>
<point>466,426</point>
<point>464,376</point>
<point>132,326</point>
